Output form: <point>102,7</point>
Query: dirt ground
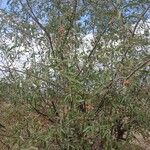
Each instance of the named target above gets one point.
<point>10,117</point>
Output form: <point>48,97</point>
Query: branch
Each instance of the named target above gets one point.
<point>133,32</point>
<point>93,49</point>
<point>140,18</point>
<point>32,75</point>
<point>71,21</point>
<point>33,16</point>
<point>2,126</point>
<point>42,114</point>
<point>138,68</point>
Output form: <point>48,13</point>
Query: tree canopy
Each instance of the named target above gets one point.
<point>82,66</point>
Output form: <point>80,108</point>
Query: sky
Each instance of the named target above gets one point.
<point>20,62</point>
<point>3,4</point>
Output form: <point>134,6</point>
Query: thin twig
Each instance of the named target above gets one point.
<point>5,144</point>
<point>39,78</point>
<point>33,16</point>
<point>91,52</point>
<point>71,20</point>
<point>134,29</point>
<point>135,70</point>
<point>42,114</point>
<point>140,18</point>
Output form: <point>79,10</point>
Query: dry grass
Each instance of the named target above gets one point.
<point>21,118</point>
<point>20,122</point>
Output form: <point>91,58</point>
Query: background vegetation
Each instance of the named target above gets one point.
<point>74,74</point>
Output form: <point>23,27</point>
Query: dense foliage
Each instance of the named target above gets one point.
<point>74,74</point>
